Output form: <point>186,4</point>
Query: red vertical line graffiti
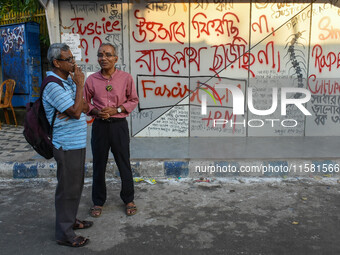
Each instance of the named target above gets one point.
<point>279,62</point>
<point>189,74</point>
<point>246,86</point>
<point>308,58</point>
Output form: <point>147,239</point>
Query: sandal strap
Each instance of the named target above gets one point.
<point>85,223</point>
<point>79,240</point>
<point>96,208</point>
<point>131,207</point>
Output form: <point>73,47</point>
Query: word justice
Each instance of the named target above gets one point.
<point>96,28</point>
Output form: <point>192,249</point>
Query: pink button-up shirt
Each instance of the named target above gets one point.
<point>123,92</point>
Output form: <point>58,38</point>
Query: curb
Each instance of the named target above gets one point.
<point>188,168</point>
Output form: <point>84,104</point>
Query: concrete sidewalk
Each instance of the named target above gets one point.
<point>191,157</point>
<point>14,147</point>
<point>185,211</point>
<point>225,216</point>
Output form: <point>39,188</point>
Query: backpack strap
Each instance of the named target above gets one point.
<point>47,80</point>
<point>44,83</point>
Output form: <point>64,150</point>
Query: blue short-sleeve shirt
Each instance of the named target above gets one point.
<point>67,134</point>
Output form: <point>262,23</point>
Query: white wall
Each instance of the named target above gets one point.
<point>172,48</point>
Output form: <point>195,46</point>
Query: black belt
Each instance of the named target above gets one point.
<point>110,120</point>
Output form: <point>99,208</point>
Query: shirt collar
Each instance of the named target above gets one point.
<point>100,72</point>
<point>51,73</point>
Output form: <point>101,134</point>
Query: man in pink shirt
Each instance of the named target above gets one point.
<point>111,95</point>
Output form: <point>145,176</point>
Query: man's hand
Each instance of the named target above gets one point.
<point>103,115</point>
<point>107,112</point>
<point>110,110</point>
<point>78,76</point>
<point>63,116</point>
<point>100,114</point>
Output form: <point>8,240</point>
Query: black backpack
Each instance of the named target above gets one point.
<point>37,129</point>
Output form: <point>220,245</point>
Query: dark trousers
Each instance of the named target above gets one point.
<point>114,136</point>
<point>70,175</point>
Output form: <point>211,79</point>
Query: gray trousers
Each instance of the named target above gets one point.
<point>70,175</point>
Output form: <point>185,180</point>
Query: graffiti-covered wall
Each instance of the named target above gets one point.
<point>21,60</point>
<point>182,53</point>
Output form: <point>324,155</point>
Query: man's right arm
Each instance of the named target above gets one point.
<point>77,108</point>
<point>88,95</point>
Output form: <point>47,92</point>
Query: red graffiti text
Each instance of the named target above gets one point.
<point>160,60</point>
<point>218,116</point>
<point>176,91</point>
<point>96,28</point>
<point>323,86</point>
<point>325,61</point>
<point>327,31</point>
<point>259,25</point>
<point>235,56</point>
<point>224,26</point>
<point>175,31</point>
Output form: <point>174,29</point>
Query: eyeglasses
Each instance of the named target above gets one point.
<point>100,55</point>
<point>70,59</point>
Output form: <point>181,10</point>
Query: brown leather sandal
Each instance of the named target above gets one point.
<point>96,211</point>
<point>78,241</point>
<point>131,209</point>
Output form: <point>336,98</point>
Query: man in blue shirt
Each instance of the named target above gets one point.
<point>69,141</point>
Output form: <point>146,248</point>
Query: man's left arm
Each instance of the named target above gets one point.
<point>132,97</point>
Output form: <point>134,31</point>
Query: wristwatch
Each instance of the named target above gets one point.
<point>119,110</point>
